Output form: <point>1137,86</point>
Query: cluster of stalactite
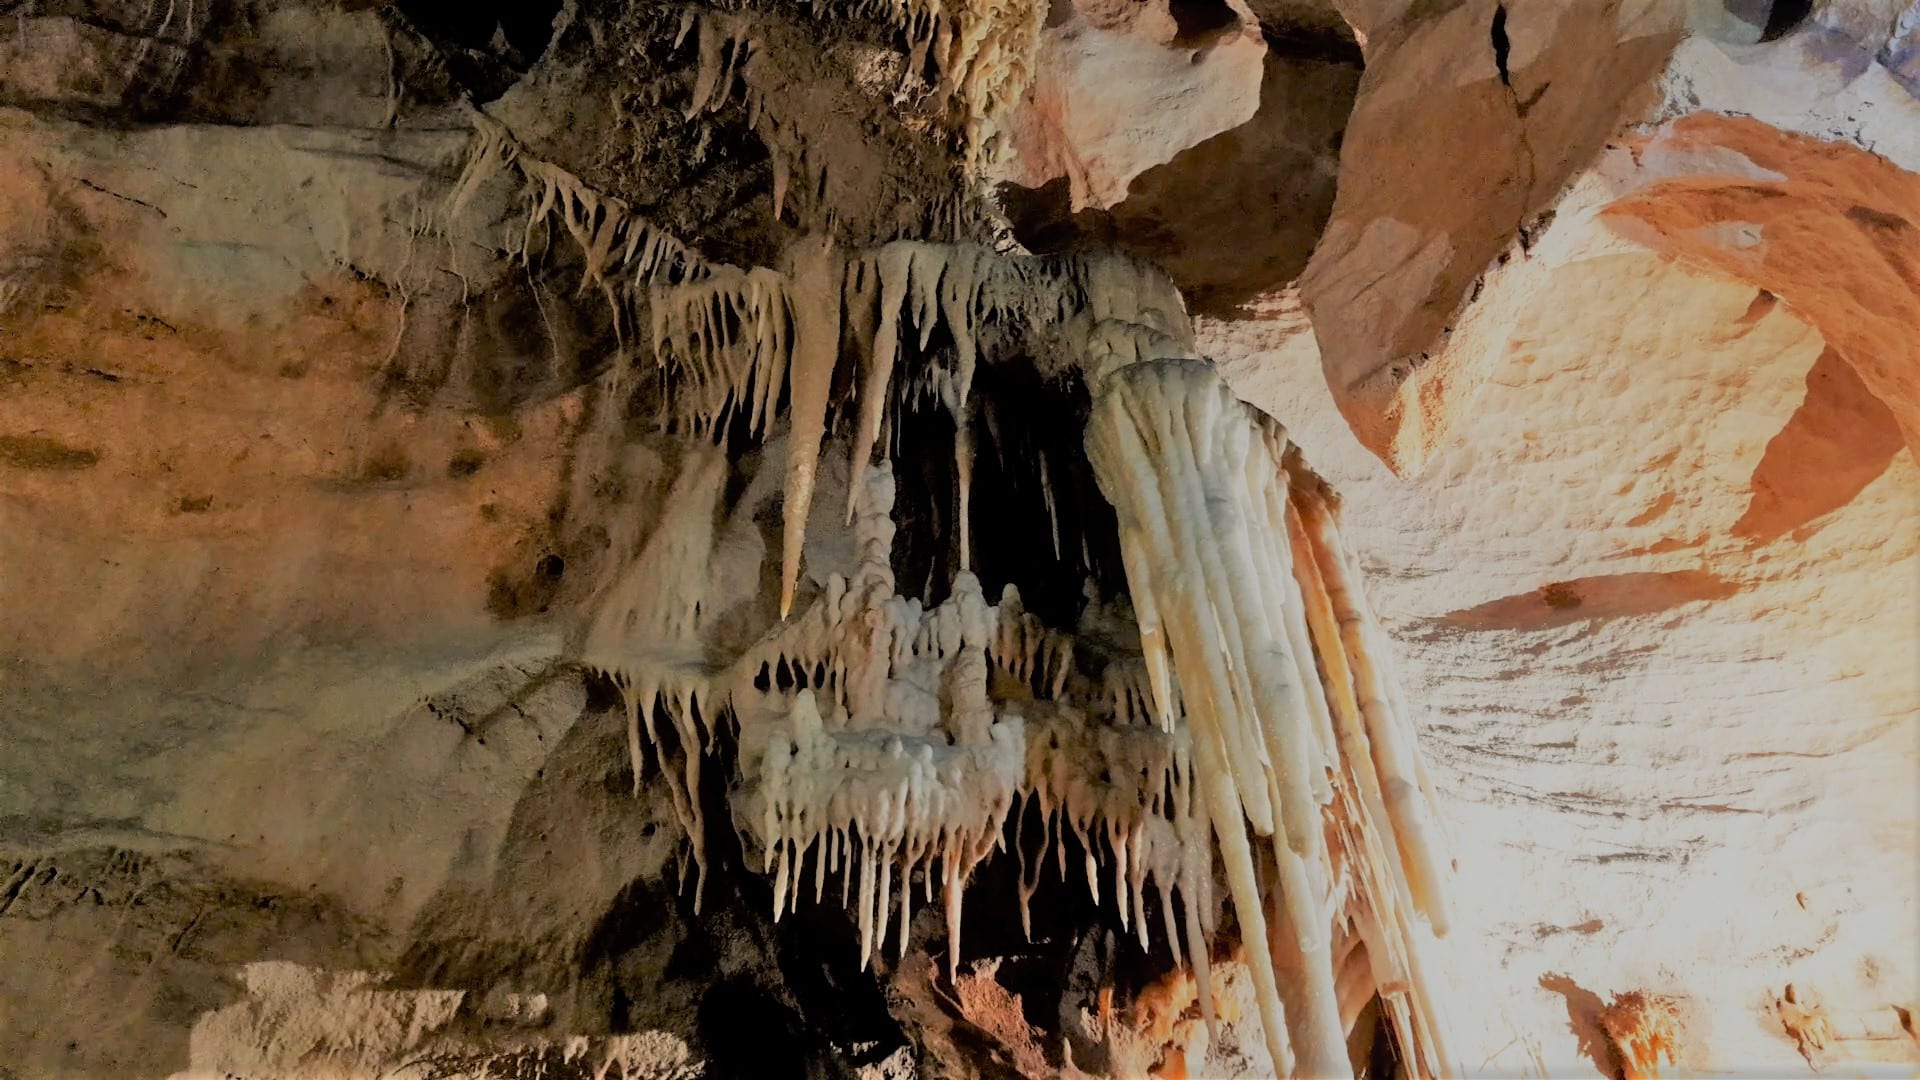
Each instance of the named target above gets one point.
<point>1238,576</point>
<point>880,743</point>
<point>975,57</point>
<point>877,738</point>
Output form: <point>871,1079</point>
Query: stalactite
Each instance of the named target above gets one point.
<point>1395,942</point>
<point>889,267</point>
<point>1390,738</point>
<point>723,44</point>
<point>646,634</point>
<point>868,753</point>
<point>815,286</point>
<point>1220,570</point>
<point>882,739</point>
<point>739,336</point>
<point>621,249</point>
<point>1170,448</point>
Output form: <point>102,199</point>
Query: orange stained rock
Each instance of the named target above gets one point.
<point>1806,1020</point>
<point>1644,1028</point>
<point>1826,227</point>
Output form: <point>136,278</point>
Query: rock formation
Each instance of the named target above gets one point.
<point>959,538</point>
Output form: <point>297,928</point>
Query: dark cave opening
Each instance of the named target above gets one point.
<point>1028,433</point>
<point>1784,16</point>
<point>488,44</point>
<point>1197,20</point>
<point>524,26</point>
<point>1025,427</point>
<point>1764,20</point>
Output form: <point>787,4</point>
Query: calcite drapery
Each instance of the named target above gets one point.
<point>1220,570</point>
<point>876,735</point>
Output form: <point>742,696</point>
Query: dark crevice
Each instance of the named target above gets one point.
<point>1027,427</point>
<point>1501,45</point>
<point>1784,16</point>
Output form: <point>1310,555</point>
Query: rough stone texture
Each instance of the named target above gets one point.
<point>1602,316</point>
<point>1401,286</point>
<point>1416,222</point>
<point>1823,227</point>
<point>1227,187</point>
<point>1121,88</point>
<point>1611,623</point>
<point>1649,553</point>
<point>1649,445</point>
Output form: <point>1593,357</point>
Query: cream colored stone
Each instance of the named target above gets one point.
<point>1119,91</point>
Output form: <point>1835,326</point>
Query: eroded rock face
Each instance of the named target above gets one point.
<point>314,456</point>
<point>1831,250</point>
<point>1704,564</point>
<point>1407,280</point>
<point>1228,185</point>
<point>1536,90</point>
<point>1121,88</point>
<point>1626,697</point>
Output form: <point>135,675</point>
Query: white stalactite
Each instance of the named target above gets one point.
<point>1390,737</point>
<point>646,634</point>
<point>883,739</point>
<point>1204,505</point>
<point>815,297</point>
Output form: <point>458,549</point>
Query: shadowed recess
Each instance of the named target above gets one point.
<point>1239,213</point>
